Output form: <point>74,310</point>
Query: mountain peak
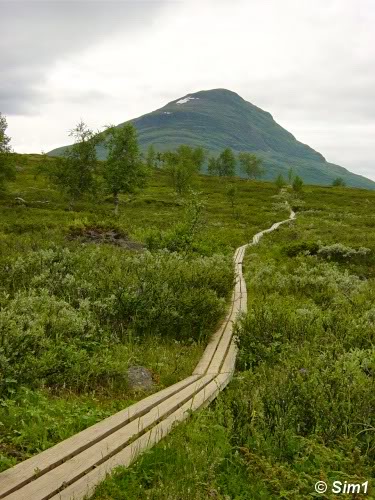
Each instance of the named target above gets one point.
<point>212,94</point>
<point>219,118</point>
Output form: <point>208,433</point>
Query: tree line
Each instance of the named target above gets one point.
<point>186,161</point>
<point>126,169</point>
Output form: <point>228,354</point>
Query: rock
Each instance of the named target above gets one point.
<point>140,378</point>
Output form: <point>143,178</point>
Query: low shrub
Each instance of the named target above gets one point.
<point>63,312</point>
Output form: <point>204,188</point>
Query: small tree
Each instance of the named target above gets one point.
<point>232,195</point>
<point>213,167</point>
<point>124,170</point>
<point>251,165</point>
<point>159,160</point>
<point>7,170</point>
<point>74,174</point>
<point>297,184</point>
<point>280,181</point>
<point>290,175</point>
<point>151,157</point>
<point>227,163</point>
<point>339,182</point>
<point>183,236</point>
<point>182,165</point>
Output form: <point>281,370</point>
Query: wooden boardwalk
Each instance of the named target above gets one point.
<point>73,468</point>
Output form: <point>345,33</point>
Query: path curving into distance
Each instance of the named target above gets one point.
<point>73,468</point>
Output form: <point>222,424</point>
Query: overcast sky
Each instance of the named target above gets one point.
<point>310,63</point>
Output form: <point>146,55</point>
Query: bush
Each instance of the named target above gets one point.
<point>325,395</point>
<point>306,351</point>
<point>265,332</point>
<point>63,312</point>
<point>338,182</point>
<point>45,340</point>
<point>341,253</point>
<point>183,236</point>
<point>280,181</point>
<point>303,247</point>
<point>297,184</point>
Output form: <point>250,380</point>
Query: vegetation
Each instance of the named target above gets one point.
<point>7,170</point>
<point>297,184</point>
<point>251,165</point>
<point>338,182</point>
<point>217,119</point>
<point>84,294</point>
<point>182,166</point>
<point>75,173</point>
<point>123,171</point>
<point>224,165</point>
<point>301,407</point>
<point>280,181</point>
<point>151,157</point>
<point>231,194</point>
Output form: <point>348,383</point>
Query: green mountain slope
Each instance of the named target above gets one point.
<point>219,118</point>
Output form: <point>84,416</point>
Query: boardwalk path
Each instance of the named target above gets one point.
<point>73,468</point>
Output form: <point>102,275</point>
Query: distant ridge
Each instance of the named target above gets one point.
<point>219,118</point>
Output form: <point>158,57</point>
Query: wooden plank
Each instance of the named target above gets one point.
<point>235,308</point>
<point>210,350</point>
<point>87,484</point>
<point>230,359</point>
<point>235,256</point>
<point>221,351</point>
<point>49,484</point>
<point>212,347</point>
<point>21,474</point>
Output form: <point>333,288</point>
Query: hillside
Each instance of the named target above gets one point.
<point>219,118</point>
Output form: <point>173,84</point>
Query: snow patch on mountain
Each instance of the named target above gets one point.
<point>186,99</point>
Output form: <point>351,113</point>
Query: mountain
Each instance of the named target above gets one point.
<point>216,119</point>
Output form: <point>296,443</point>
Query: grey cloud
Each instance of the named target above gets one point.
<point>36,34</point>
<point>332,76</point>
<point>344,97</point>
<point>19,99</point>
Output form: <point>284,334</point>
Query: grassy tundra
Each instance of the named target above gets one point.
<point>85,294</point>
<point>301,407</point>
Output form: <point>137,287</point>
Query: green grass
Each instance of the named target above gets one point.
<point>74,316</point>
<point>301,405</point>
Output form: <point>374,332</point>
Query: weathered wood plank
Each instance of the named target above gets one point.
<point>45,486</point>
<point>221,351</point>
<point>212,346</point>
<point>87,484</point>
<point>28,470</point>
<point>230,359</point>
